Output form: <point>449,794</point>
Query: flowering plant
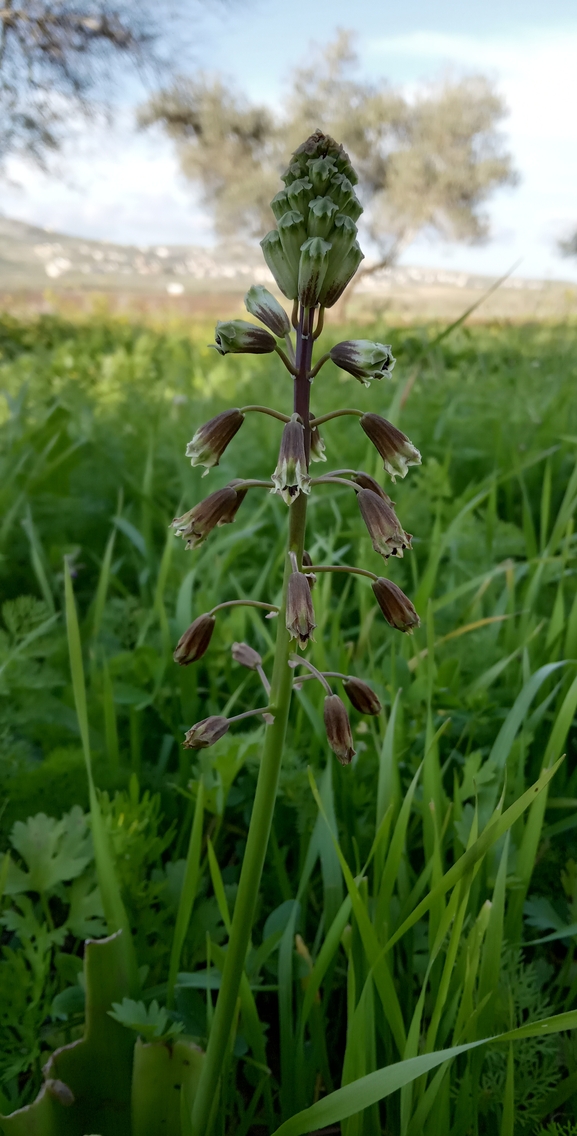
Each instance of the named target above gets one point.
<point>313,253</point>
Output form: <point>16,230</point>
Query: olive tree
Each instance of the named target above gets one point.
<point>426,163</point>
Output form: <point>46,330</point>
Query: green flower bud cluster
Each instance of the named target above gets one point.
<point>313,253</point>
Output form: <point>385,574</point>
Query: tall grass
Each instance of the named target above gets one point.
<point>398,893</point>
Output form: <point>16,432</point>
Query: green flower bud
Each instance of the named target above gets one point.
<point>321,170</point>
<point>262,304</point>
<point>337,278</point>
<point>321,215</point>
<point>239,337</point>
<point>285,275</point>
<point>280,203</point>
<point>299,194</point>
<point>363,359</point>
<point>293,233</point>
<point>293,172</point>
<point>343,236</point>
<point>313,265</point>
<point>344,196</point>
<point>321,145</point>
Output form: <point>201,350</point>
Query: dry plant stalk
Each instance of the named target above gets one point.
<point>313,255</point>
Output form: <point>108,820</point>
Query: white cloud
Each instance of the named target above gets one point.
<point>537,75</point>
<point>119,186</point>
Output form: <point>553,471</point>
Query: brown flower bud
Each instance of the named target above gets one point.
<point>246,656</point>
<point>338,729</point>
<point>290,476</point>
<point>220,508</point>
<point>206,733</point>
<point>397,452</point>
<point>367,482</point>
<point>211,440</point>
<point>362,697</point>
<point>192,645</point>
<point>388,538</point>
<point>395,606</point>
<point>300,616</point>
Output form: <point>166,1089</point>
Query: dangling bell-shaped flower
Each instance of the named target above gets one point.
<point>192,645</point>
<point>300,615</point>
<point>395,606</point>
<point>396,450</point>
<point>362,697</point>
<point>246,656</point>
<point>363,359</point>
<point>241,338</point>
<point>206,733</point>
<point>388,538</point>
<point>220,508</point>
<point>290,476</point>
<point>367,482</point>
<point>338,729</point>
<point>211,440</point>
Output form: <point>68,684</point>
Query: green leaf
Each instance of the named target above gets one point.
<point>114,910</point>
<point>151,1022</point>
<point>376,1086</point>
<point>53,850</point>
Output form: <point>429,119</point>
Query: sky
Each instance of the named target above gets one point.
<point>122,185</point>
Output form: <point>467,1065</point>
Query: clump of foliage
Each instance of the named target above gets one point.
<point>486,689</point>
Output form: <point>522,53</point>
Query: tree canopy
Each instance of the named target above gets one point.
<point>425,163</point>
<point>58,56</point>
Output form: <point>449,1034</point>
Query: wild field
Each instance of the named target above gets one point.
<point>413,903</point>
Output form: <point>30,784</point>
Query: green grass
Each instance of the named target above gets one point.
<point>396,896</point>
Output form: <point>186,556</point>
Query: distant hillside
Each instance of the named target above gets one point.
<point>32,258</point>
<point>35,261</point>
